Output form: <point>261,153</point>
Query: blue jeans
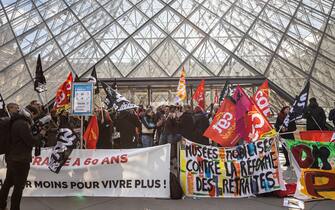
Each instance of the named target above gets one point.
<point>147,140</point>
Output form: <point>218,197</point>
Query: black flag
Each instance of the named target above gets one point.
<point>76,78</point>
<point>225,91</point>
<point>299,106</point>
<point>40,82</point>
<point>66,142</point>
<point>3,110</point>
<point>116,100</point>
<point>94,79</point>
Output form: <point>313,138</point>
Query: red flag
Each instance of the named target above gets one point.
<point>317,135</point>
<point>216,97</point>
<point>257,124</point>
<point>223,127</point>
<point>261,97</point>
<point>243,104</point>
<point>91,134</point>
<point>199,95</point>
<point>63,95</point>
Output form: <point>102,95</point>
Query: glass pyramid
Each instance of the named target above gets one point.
<point>286,41</point>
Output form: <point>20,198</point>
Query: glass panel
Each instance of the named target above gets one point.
<point>187,36</point>
<point>25,95</point>
<point>5,34</point>
<point>239,18</point>
<point>19,8</point>
<point>127,57</point>
<point>35,38</point>
<point>3,19</point>
<point>204,19</point>
<point>132,20</point>
<point>324,71</point>
<point>227,35</point>
<point>150,7</point>
<point>61,22</point>
<point>117,8</point>
<point>255,55</point>
<point>168,20</point>
<point>288,6</point>
<point>252,6</point>
<point>297,54</point>
<point>212,56</point>
<point>105,69</point>
<point>96,21</point>
<point>26,22</point>
<point>9,54</point>
<point>51,8</point>
<point>321,5</point>
<point>219,7</point>
<point>18,76</point>
<point>85,57</point>
<point>148,69</point>
<point>72,38</point>
<point>50,53</point>
<point>235,69</point>
<point>193,69</point>
<point>275,17</point>
<point>149,37</point>
<point>169,56</point>
<point>184,7</point>
<point>331,27</point>
<point>83,8</point>
<point>328,47</point>
<point>304,34</point>
<point>110,37</point>
<point>312,17</point>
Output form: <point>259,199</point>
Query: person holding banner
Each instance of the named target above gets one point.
<point>288,131</point>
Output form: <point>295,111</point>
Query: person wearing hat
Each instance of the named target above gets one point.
<point>18,157</point>
<point>315,116</point>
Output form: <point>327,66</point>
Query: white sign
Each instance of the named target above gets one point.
<point>108,173</point>
<point>82,99</point>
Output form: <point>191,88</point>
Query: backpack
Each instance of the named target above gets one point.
<point>5,127</point>
<point>176,192</point>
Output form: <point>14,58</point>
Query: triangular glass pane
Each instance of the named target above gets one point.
<point>148,68</point>
<point>169,56</point>
<point>5,34</point>
<point>117,7</point>
<point>311,17</point>
<point>328,47</point>
<point>9,54</point>
<point>204,19</point>
<point>168,20</point>
<point>50,8</point>
<point>26,22</point>
<point>83,8</point>
<point>187,36</point>
<point>287,6</point>
<point>304,34</point>
<point>184,7</point>
<point>106,69</point>
<point>110,37</point>
<point>150,7</point>
<point>18,8</point>
<point>275,17</point>
<point>217,6</point>
<point>132,20</point>
<point>331,27</point>
<point>227,35</point>
<point>192,69</point>
<point>236,69</point>
<point>61,22</point>
<point>96,21</point>
<point>324,72</point>
<point>321,5</point>
<point>127,57</point>
<point>149,37</point>
<point>252,6</point>
<point>211,55</point>
<point>238,18</point>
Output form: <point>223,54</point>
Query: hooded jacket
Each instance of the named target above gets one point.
<point>315,117</point>
<point>22,140</point>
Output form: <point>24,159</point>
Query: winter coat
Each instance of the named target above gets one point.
<point>126,123</point>
<point>186,125</point>
<point>200,126</point>
<point>332,116</point>
<point>148,125</point>
<point>291,127</point>
<point>22,140</point>
<point>315,116</point>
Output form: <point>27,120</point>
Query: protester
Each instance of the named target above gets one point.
<point>159,119</point>
<point>13,108</point>
<point>201,123</point>
<point>331,116</point>
<point>19,157</point>
<point>105,129</point>
<point>148,127</point>
<point>288,131</point>
<point>315,116</point>
<point>126,123</point>
<point>186,123</point>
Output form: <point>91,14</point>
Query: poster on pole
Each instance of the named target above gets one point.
<point>230,172</point>
<point>101,173</point>
<point>82,99</point>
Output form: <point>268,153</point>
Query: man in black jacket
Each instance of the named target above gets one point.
<point>332,115</point>
<point>18,157</point>
<point>315,116</point>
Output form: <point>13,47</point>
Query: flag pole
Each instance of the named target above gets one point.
<point>81,131</point>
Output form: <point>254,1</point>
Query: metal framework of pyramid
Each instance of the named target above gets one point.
<point>287,41</point>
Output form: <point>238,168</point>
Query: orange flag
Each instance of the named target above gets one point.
<point>261,97</point>
<point>216,97</point>
<point>223,127</point>
<point>91,134</point>
<point>181,90</point>
<point>63,95</point>
<point>199,95</point>
<point>257,124</point>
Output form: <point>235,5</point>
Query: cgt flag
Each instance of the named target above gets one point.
<point>116,100</point>
<point>261,97</point>
<point>223,127</point>
<point>63,95</point>
<point>199,95</point>
<point>181,90</point>
<point>66,142</point>
<point>94,79</point>
<point>91,134</point>
<point>40,82</point>
<point>299,106</point>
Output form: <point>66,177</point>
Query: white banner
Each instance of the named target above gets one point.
<point>109,173</point>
